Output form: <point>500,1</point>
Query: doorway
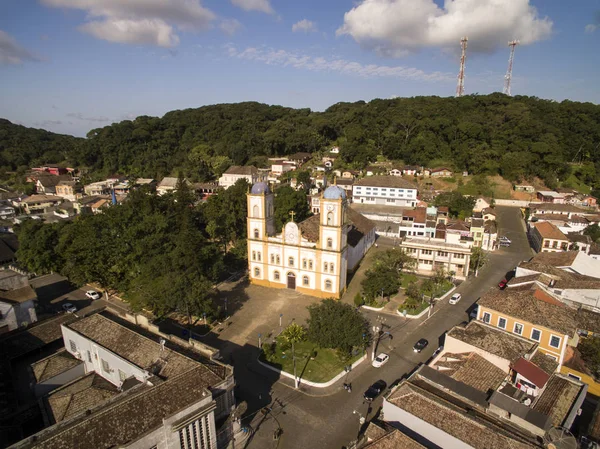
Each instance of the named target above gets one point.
<point>291,281</point>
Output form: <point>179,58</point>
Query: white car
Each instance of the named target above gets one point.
<point>93,294</point>
<point>68,307</point>
<point>380,360</point>
<point>455,298</point>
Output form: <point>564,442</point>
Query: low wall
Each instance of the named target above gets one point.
<point>512,203</point>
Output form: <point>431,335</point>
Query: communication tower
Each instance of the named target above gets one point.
<point>508,76</point>
<point>460,87</point>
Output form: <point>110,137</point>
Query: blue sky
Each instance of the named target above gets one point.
<point>73,65</point>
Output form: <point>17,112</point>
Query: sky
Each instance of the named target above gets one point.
<point>70,66</point>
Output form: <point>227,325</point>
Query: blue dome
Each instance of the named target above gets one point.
<point>334,193</point>
<point>259,188</point>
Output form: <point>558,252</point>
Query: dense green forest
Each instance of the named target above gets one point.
<point>517,137</point>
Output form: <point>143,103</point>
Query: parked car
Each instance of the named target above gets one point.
<point>374,390</point>
<point>502,284</point>
<point>68,307</point>
<point>455,298</point>
<point>503,241</point>
<point>420,345</point>
<point>381,360</point>
<point>93,294</point>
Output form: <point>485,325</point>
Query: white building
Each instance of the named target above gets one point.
<point>235,173</point>
<point>17,308</point>
<point>433,253</point>
<point>385,190</point>
<point>313,256</point>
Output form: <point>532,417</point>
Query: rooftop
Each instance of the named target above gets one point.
<point>19,295</point>
<point>550,193</point>
<point>555,208</point>
<point>548,230</point>
<point>545,363</point>
<point>393,439</point>
<point>523,305</point>
<point>557,398</point>
<point>588,321</point>
<point>386,181</point>
<point>471,369</point>
<point>435,243</point>
<point>360,226</point>
<point>531,372</point>
<point>472,430</point>
<point>495,341</point>
<point>241,170</point>
<point>379,209</point>
<point>34,199</point>
<point>53,365</point>
<point>168,182</point>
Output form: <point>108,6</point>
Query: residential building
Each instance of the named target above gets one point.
<point>46,183</point>
<point>480,205</point>
<point>580,242</point>
<point>546,237</point>
<point>40,204</point>
<point>395,172</point>
<point>17,308</point>
<point>315,204</point>
<point>555,209</point>
<point>524,188</point>
<point>532,316</point>
<point>574,262</point>
<point>97,206</point>
<point>313,256</point>
<point>97,188</point>
<point>440,172</point>
<point>373,170</point>
<point>7,212</point>
<point>385,190</point>
<point>138,389</point>
<point>52,169</point>
<point>349,174</point>
<point>236,172</point>
<point>69,190</point>
<point>298,158</point>
<point>547,196</point>
<point>167,185</point>
<point>335,150</point>
<point>433,253</point>
<point>281,166</point>
<point>145,182</point>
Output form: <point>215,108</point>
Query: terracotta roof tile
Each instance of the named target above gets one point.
<point>531,372</point>
<point>385,181</point>
<point>549,231</point>
<point>557,398</point>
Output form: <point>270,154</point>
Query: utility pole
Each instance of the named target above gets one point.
<point>460,87</point>
<point>508,76</point>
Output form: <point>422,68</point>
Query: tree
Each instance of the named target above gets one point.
<point>380,281</point>
<point>37,246</point>
<point>394,259</point>
<point>336,325</point>
<point>590,353</point>
<point>478,258</point>
<point>594,232</point>
<point>458,205</point>
<point>293,334</point>
<point>287,200</point>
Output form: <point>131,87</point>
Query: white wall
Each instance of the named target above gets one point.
<point>454,346</point>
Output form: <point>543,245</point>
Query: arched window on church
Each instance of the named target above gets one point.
<point>304,264</point>
<point>257,272</point>
<point>253,255</point>
<point>256,234</point>
<point>325,267</point>
<point>305,280</point>
<point>329,242</point>
<point>276,275</point>
<point>330,266</point>
<point>328,285</point>
<point>291,261</point>
<point>255,211</point>
<point>329,218</point>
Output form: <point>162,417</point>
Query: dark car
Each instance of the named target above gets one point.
<point>374,390</point>
<point>420,345</point>
<point>502,284</point>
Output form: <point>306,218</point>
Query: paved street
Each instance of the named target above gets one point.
<point>324,418</point>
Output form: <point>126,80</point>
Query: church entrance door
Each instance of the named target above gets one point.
<point>291,281</point>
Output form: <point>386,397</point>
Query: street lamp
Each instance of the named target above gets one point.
<point>376,330</point>
<point>259,341</point>
<point>361,420</point>
<point>280,322</point>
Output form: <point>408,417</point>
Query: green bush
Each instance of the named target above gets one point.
<point>358,300</point>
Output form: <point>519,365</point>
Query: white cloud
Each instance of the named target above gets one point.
<point>396,27</point>
<point>230,26</point>
<point>591,28</point>
<point>139,21</point>
<point>254,5</point>
<point>304,25</point>
<point>319,64</point>
<point>12,53</point>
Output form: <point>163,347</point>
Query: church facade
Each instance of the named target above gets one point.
<point>310,257</point>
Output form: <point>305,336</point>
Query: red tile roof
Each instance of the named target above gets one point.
<point>531,372</point>
<point>549,231</point>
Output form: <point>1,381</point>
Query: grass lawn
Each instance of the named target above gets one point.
<point>413,311</point>
<point>446,287</point>
<point>407,278</point>
<point>325,366</point>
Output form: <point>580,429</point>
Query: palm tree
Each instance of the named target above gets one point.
<point>293,334</point>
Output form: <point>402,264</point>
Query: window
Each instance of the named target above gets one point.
<point>305,280</point>
<point>278,259</point>
<point>258,256</point>
<point>255,211</point>
<point>272,258</point>
<point>459,256</point>
<point>256,233</point>
<point>426,252</point>
<point>89,354</point>
<point>325,267</point>
<point>573,376</point>
<point>105,366</point>
<point>304,264</point>
<point>546,244</point>
<point>291,261</point>
<point>502,323</point>
<point>442,254</point>
<point>329,218</point>
<point>329,242</point>
<point>253,255</point>
<point>536,334</point>
<point>328,285</point>
<point>331,267</point>
<point>487,317</point>
<point>518,329</point>
<point>310,264</point>
<point>276,275</point>
<point>73,346</point>
<point>390,200</point>
<point>256,272</point>
<point>122,376</point>
<point>555,341</point>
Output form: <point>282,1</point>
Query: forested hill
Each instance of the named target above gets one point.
<point>518,137</point>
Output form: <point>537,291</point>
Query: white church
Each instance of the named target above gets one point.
<point>312,257</point>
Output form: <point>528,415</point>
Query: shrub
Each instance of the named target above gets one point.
<point>358,300</point>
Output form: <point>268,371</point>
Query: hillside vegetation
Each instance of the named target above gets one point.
<point>517,138</point>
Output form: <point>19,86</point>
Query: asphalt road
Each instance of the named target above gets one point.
<point>333,421</point>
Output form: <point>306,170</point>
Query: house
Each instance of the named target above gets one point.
<point>97,188</point>
<point>233,174</point>
<point>349,174</point>
<point>7,212</point>
<point>480,205</point>
<point>440,172</point>
<point>546,237</point>
<point>385,190</point>
<point>490,235</point>
<point>167,185</point>
<point>431,254</point>
<point>98,206</point>
<point>17,308</point>
<point>476,231</point>
<point>547,196</point>
<point>588,201</point>
<point>69,190</point>
<point>373,170</point>
<point>147,389</point>
<point>574,262</point>
<point>395,172</point>
<point>580,242</point>
<point>46,184</point>
<point>335,150</point>
<point>524,188</point>
<point>532,316</point>
<point>567,210</point>
<point>315,204</point>
<point>52,169</point>
<point>205,189</point>
<point>282,166</point>
<point>145,182</point>
<point>40,204</point>
<point>345,184</point>
<point>411,170</point>
<point>298,158</point>
<point>122,188</point>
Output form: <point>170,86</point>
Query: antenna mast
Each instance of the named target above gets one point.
<point>460,88</point>
<point>508,76</point>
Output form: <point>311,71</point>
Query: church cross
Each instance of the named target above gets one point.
<point>292,213</point>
